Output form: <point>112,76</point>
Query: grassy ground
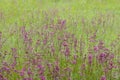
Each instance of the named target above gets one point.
<point>87,20</point>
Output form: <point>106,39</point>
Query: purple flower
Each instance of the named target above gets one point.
<point>45,41</point>
<point>74,62</point>
<point>40,66</point>
<point>67,51</point>
<point>90,58</point>
<point>111,65</point>
<point>29,71</point>
<point>63,22</point>
<point>22,72</point>
<point>14,64</point>
<point>42,77</point>
<point>111,56</point>
<point>57,68</point>
<point>65,43</point>
<point>7,69</point>
<point>103,78</point>
<point>27,79</point>
<point>75,56</point>
<point>102,57</point>
<point>41,69</point>
<point>96,48</point>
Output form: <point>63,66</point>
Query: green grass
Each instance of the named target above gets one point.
<point>35,13</point>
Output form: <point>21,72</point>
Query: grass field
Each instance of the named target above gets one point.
<point>59,40</point>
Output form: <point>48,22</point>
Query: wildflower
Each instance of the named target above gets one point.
<point>74,62</point>
<point>40,66</point>
<point>22,72</point>
<point>65,43</point>
<point>90,58</point>
<point>96,48</point>
<point>42,77</point>
<point>27,79</point>
<point>103,78</point>
<point>102,57</point>
<point>63,22</point>
<point>57,68</point>
<point>13,64</point>
<point>6,69</point>
<point>45,41</point>
<point>75,56</point>
<point>41,70</point>
<point>52,49</point>
<point>67,51</point>
<point>29,71</point>
<point>111,65</point>
<point>106,70</point>
<point>111,56</point>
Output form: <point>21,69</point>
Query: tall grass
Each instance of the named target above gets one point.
<point>59,40</point>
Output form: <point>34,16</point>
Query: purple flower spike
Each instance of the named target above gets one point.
<point>96,48</point>
<point>102,57</point>
<point>90,58</point>
<point>67,51</point>
<point>22,72</point>
<point>42,77</point>
<point>65,43</point>
<point>103,78</point>
<point>29,71</point>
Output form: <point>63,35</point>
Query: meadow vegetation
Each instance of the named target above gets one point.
<point>59,40</point>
